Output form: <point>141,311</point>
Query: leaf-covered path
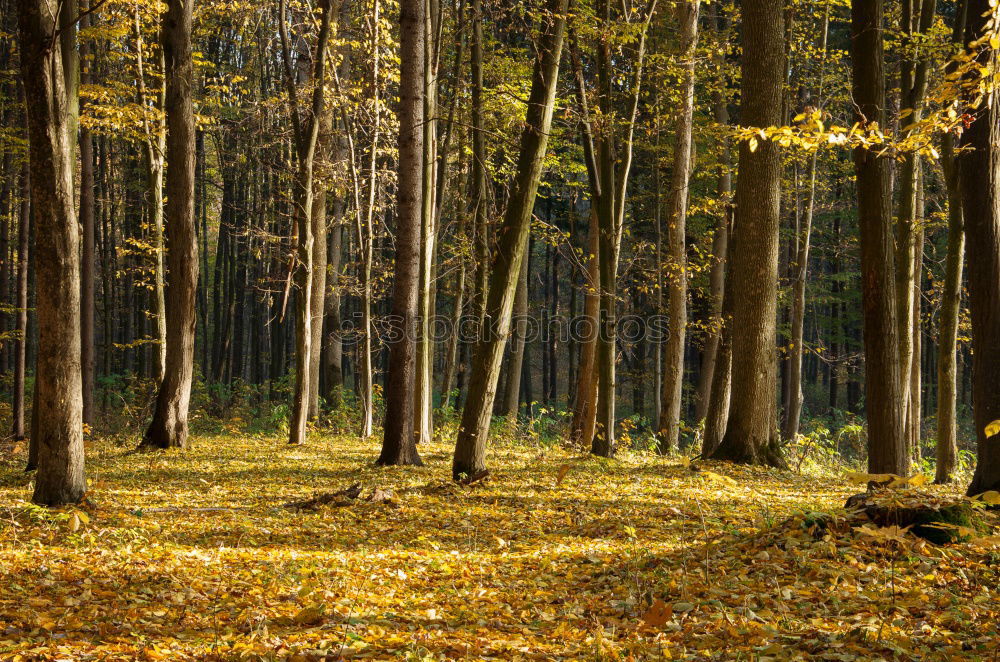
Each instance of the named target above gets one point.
<point>556,557</point>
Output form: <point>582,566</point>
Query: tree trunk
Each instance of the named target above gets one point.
<point>980,181</point>
<point>512,395</point>
<point>21,353</point>
<point>169,427</point>
<point>58,392</point>
<point>317,305</point>
<point>470,448</point>
<point>398,444</point>
<point>673,386</point>
<point>306,132</point>
<point>883,390</point>
<point>750,435</point>
<point>88,258</point>
<point>585,410</point>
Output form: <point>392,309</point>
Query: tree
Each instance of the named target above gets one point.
<point>169,427</point>
<point>306,135</point>
<point>883,389</point>
<point>751,435</point>
<point>512,237</point>
<point>951,296</point>
<point>673,383</point>
<point>980,181</point>
<point>398,443</point>
<point>58,391</point>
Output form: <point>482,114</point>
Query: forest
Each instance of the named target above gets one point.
<point>495,329</point>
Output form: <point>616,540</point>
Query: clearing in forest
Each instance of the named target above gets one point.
<point>556,556</point>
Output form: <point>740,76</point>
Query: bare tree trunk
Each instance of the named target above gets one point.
<point>585,411</point>
<point>883,390</point>
<point>306,130</point>
<point>398,444</point>
<point>512,395</point>
<point>169,427</point>
<point>670,413</point>
<point>470,448</point>
<point>980,168</point>
<point>58,391</point>
<point>750,435</point>
<point>319,265</point>
<point>20,356</point>
<point>88,258</point>
<point>951,299</point>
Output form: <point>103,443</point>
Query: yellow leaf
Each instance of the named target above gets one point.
<point>991,498</point>
<point>563,470</point>
<point>74,522</point>
<point>752,143</point>
<point>993,429</point>
<point>309,616</point>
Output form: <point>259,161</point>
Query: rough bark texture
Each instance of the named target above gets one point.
<point>58,392</point>
<point>883,391</point>
<point>88,255</point>
<point>673,376</point>
<point>470,447</point>
<point>398,445</point>
<point>753,264</point>
<point>980,168</point>
<point>585,410</point>
<point>169,427</point>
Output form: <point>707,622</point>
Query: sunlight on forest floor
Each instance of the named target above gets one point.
<point>534,563</point>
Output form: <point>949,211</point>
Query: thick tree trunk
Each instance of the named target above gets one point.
<point>398,444</point>
<point>169,427</point>
<point>673,386</point>
<point>750,435</point>
<point>980,181</point>
<point>883,390</point>
<point>58,391</point>
<point>470,448</point>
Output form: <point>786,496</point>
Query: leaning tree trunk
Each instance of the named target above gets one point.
<point>980,181</point>
<point>58,390</point>
<point>753,264</point>
<point>398,445</point>
<point>670,412</point>
<point>169,427</point>
<point>470,448</point>
<point>883,390</point>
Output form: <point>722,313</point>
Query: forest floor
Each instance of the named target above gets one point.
<point>557,556</point>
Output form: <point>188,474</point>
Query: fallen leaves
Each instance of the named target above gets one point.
<point>192,557</point>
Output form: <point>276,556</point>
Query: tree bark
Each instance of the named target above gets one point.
<point>673,386</point>
<point>398,444</point>
<point>169,427</point>
<point>883,390</point>
<point>980,181</point>
<point>470,448</point>
<point>88,258</point>
<point>21,353</point>
<point>750,435</point>
<point>58,391</point>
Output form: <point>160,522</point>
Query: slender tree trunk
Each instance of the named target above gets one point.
<point>317,305</point>
<point>306,131</point>
<point>169,427</point>
<point>21,352</point>
<point>470,448</point>
<point>88,258</point>
<point>585,410</point>
<point>883,390</point>
<point>980,181</point>
<point>58,391</point>
<point>398,444</point>
<point>750,435</point>
<point>480,195</point>
<point>512,395</point>
<point>673,386</point>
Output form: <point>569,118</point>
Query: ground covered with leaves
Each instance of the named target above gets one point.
<point>556,556</point>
